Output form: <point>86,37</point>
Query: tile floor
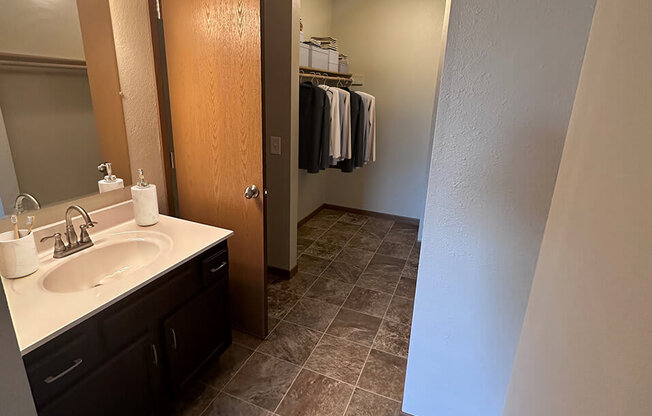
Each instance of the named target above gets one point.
<point>339,329</point>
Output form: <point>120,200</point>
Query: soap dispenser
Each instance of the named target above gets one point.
<point>145,201</point>
<point>110,181</point>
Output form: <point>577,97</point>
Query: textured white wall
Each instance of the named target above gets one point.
<point>586,345</point>
<point>509,78</point>
<point>133,47</point>
<point>46,28</point>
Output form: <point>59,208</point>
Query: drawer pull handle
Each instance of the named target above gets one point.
<point>52,379</point>
<point>174,339</point>
<point>218,268</point>
<point>155,354</point>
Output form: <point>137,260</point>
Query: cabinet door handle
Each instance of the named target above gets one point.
<point>75,364</point>
<point>155,354</point>
<point>174,339</point>
<point>218,268</point>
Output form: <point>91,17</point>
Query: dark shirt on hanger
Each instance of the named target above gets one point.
<point>357,133</point>
<point>314,128</point>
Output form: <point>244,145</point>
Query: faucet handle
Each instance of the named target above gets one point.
<point>83,235</point>
<point>59,247</point>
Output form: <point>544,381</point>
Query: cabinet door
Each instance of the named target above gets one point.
<point>125,385</point>
<point>196,332</point>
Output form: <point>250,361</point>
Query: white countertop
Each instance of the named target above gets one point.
<point>39,315</point>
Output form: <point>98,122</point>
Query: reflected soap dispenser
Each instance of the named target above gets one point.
<point>110,181</point>
<point>145,201</point>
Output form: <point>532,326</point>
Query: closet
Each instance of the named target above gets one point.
<point>337,125</point>
<point>389,50</point>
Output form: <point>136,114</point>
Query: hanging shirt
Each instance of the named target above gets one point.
<point>314,128</point>
<point>357,133</point>
<point>345,123</point>
<point>335,143</point>
<point>370,126</point>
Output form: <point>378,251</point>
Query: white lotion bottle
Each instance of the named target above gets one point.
<point>145,201</point>
<point>110,181</point>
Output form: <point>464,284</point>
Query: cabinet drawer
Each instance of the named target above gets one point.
<point>215,267</point>
<point>62,363</point>
<point>127,322</point>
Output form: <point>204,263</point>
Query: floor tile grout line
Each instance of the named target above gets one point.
<point>244,401</point>
<point>345,339</point>
<point>346,409</point>
<point>376,336</point>
<point>282,319</point>
<point>314,371</point>
<point>322,335</point>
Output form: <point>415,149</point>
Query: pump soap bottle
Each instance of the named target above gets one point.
<point>110,181</point>
<point>145,202</point>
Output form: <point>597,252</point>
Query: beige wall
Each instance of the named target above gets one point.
<point>133,44</point>
<point>316,17</point>
<point>47,28</point>
<point>396,47</point>
<point>586,345</point>
<point>281,66</point>
<point>311,189</point>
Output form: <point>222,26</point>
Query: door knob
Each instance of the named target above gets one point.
<point>251,192</point>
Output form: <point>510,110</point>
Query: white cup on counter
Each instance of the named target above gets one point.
<point>18,258</point>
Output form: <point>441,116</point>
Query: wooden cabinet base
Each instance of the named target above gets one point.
<point>132,357</point>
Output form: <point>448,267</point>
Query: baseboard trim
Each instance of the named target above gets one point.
<point>397,218</point>
<point>310,216</point>
<point>282,272</point>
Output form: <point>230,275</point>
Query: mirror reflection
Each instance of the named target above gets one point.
<point>60,117</point>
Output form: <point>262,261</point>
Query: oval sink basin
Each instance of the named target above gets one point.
<point>109,260</point>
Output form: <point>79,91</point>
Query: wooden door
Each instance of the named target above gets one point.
<point>213,52</point>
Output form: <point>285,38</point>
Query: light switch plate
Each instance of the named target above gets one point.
<point>276,145</point>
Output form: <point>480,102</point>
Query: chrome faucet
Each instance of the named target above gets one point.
<point>18,205</point>
<point>74,244</point>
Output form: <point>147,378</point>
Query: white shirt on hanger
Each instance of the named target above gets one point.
<point>370,108</point>
<point>345,122</point>
<point>335,150</point>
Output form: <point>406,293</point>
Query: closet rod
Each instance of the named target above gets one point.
<point>12,59</point>
<point>302,75</point>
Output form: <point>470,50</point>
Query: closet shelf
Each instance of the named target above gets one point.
<point>307,70</point>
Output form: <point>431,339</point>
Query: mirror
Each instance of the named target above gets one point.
<point>60,105</point>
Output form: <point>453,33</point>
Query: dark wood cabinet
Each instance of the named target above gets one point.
<point>132,357</point>
<point>195,333</point>
<point>125,385</point>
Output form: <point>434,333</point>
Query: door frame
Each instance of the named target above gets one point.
<point>163,98</point>
<point>165,123</point>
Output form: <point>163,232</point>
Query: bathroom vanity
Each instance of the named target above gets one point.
<point>122,326</point>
